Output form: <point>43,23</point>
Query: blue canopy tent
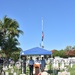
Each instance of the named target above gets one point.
<point>33,51</point>
<point>36,51</point>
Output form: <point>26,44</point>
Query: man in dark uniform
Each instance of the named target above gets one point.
<point>31,63</point>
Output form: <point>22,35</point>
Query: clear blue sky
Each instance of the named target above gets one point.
<point>59,21</point>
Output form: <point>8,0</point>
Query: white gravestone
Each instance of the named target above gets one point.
<point>53,65</point>
<point>5,68</point>
<point>62,66</point>
<point>59,73</point>
<point>12,70</point>
<point>57,66</point>
<point>10,66</point>
<point>6,73</point>
<point>15,73</point>
<point>71,65</point>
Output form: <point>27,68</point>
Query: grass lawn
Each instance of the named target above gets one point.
<point>71,70</point>
<point>17,71</point>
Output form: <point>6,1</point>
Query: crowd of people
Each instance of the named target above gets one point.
<point>39,65</point>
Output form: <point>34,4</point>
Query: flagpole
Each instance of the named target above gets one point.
<point>42,34</point>
<point>42,23</point>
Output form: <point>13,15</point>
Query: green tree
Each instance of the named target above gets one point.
<point>1,38</point>
<point>10,27</point>
<point>62,53</point>
<point>10,30</point>
<point>73,48</point>
<point>68,48</point>
<point>55,53</point>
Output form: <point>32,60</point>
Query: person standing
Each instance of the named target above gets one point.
<point>37,66</point>
<point>43,64</point>
<point>31,63</point>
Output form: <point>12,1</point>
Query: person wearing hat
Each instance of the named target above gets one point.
<point>37,64</point>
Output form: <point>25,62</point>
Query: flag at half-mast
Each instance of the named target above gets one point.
<point>42,35</point>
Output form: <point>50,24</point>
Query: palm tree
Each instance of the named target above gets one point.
<point>10,30</point>
<point>1,38</point>
<point>10,27</point>
<point>10,46</point>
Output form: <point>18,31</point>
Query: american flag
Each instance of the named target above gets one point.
<point>42,36</point>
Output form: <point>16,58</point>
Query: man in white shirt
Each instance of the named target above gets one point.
<point>31,63</point>
<point>37,61</point>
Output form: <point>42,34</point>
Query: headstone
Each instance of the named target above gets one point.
<point>59,73</point>
<point>18,65</point>
<point>62,65</point>
<point>22,69</point>
<point>71,65</point>
<point>12,62</point>
<point>56,65</point>
<point>10,66</point>
<point>67,62</point>
<point>5,67</point>
<point>6,73</point>
<point>53,65</point>
<point>12,70</point>
<point>68,73</point>
<point>15,73</point>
